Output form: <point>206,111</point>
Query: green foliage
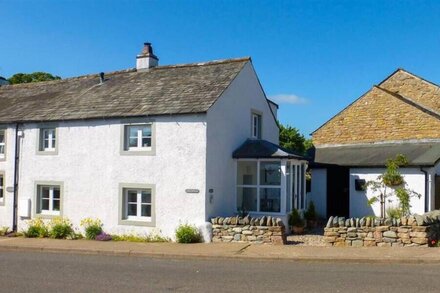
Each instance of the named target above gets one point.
<point>295,219</point>
<point>60,228</point>
<point>187,234</point>
<point>310,213</point>
<point>392,182</point>
<point>36,229</point>
<point>4,231</point>
<point>32,77</point>
<point>395,213</point>
<point>92,227</point>
<point>137,238</point>
<point>291,139</point>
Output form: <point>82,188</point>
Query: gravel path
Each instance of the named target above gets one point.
<point>310,238</point>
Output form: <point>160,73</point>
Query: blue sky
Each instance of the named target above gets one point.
<point>313,57</point>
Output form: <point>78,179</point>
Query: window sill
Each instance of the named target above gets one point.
<point>143,223</point>
<point>47,153</point>
<point>47,216</point>
<point>146,152</point>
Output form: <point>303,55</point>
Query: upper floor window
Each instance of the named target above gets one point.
<point>256,126</point>
<point>138,139</point>
<point>2,143</point>
<point>47,140</point>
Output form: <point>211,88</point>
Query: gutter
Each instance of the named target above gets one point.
<point>426,188</point>
<point>16,177</point>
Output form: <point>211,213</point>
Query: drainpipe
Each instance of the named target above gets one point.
<point>426,188</point>
<point>16,172</point>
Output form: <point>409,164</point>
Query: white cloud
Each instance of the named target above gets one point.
<point>289,99</point>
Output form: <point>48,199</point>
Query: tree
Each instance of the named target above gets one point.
<point>390,183</point>
<point>31,77</point>
<point>292,139</point>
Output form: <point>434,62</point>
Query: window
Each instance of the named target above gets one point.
<point>47,140</point>
<point>2,143</point>
<point>256,126</point>
<point>137,205</point>
<point>2,188</point>
<point>49,200</point>
<point>259,186</point>
<point>138,137</point>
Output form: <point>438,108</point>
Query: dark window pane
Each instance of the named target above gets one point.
<point>146,211</point>
<point>132,142</point>
<point>56,193</point>
<point>270,200</point>
<point>146,131</point>
<point>146,197</point>
<point>132,196</point>
<point>270,173</point>
<point>133,131</point>
<point>246,199</point>
<point>132,209</point>
<point>45,192</point>
<point>56,205</point>
<point>45,204</point>
<point>146,142</point>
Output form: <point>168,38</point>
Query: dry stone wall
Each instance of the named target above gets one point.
<point>417,230</point>
<point>248,229</point>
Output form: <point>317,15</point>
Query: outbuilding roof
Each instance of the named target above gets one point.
<point>261,149</point>
<point>163,90</point>
<point>375,155</point>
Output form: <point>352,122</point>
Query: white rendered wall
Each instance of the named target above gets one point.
<point>7,167</point>
<point>229,125</point>
<point>318,193</point>
<point>359,207</point>
<point>91,167</point>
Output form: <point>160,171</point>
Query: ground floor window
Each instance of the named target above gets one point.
<point>137,204</point>
<point>259,186</point>
<point>49,199</point>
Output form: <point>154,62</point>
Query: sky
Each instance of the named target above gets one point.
<point>312,57</point>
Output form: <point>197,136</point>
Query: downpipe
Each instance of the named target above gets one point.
<point>16,177</point>
<point>426,188</point>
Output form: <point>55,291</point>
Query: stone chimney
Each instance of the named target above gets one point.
<point>146,59</point>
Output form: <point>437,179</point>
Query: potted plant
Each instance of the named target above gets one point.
<point>310,216</point>
<point>296,223</point>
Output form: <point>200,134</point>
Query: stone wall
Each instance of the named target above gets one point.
<point>407,231</point>
<point>248,229</point>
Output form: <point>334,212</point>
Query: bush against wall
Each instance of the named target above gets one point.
<point>186,233</point>
<point>92,228</point>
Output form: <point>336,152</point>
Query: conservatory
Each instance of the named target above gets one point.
<point>270,180</point>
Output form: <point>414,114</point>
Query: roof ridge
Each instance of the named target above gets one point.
<point>128,70</point>
<point>409,73</point>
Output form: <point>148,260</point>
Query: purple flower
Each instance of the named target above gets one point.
<point>103,237</point>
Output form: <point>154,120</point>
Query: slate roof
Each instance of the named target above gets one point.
<point>375,155</point>
<point>260,149</point>
<point>163,90</point>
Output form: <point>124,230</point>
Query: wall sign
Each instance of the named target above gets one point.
<point>192,190</point>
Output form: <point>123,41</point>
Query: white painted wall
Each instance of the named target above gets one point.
<point>91,166</point>
<point>318,191</point>
<point>7,166</point>
<point>229,125</point>
<point>358,199</point>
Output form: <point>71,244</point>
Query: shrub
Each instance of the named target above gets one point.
<point>4,231</point>
<point>137,238</point>
<point>60,228</point>
<point>36,228</point>
<point>295,219</point>
<point>395,213</point>
<point>187,234</point>
<point>92,227</point>
<point>103,237</point>
<point>310,214</point>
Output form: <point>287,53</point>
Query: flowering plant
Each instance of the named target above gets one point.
<point>92,227</point>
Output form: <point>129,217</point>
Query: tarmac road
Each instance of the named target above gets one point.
<point>55,272</point>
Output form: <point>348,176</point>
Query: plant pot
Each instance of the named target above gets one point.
<point>297,230</point>
<point>312,224</point>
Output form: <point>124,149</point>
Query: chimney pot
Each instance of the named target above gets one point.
<point>146,59</point>
<point>101,77</point>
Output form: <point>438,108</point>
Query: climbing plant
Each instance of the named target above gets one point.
<point>390,183</point>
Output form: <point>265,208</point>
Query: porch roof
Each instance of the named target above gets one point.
<point>261,149</point>
<point>375,155</point>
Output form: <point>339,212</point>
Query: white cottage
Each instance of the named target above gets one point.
<point>145,149</point>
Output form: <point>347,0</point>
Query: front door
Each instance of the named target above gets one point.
<point>338,194</point>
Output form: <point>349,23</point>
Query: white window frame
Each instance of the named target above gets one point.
<point>139,204</point>
<point>256,125</point>
<point>51,131</point>
<point>50,211</point>
<point>139,136</point>
<point>3,144</point>
<point>258,186</point>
